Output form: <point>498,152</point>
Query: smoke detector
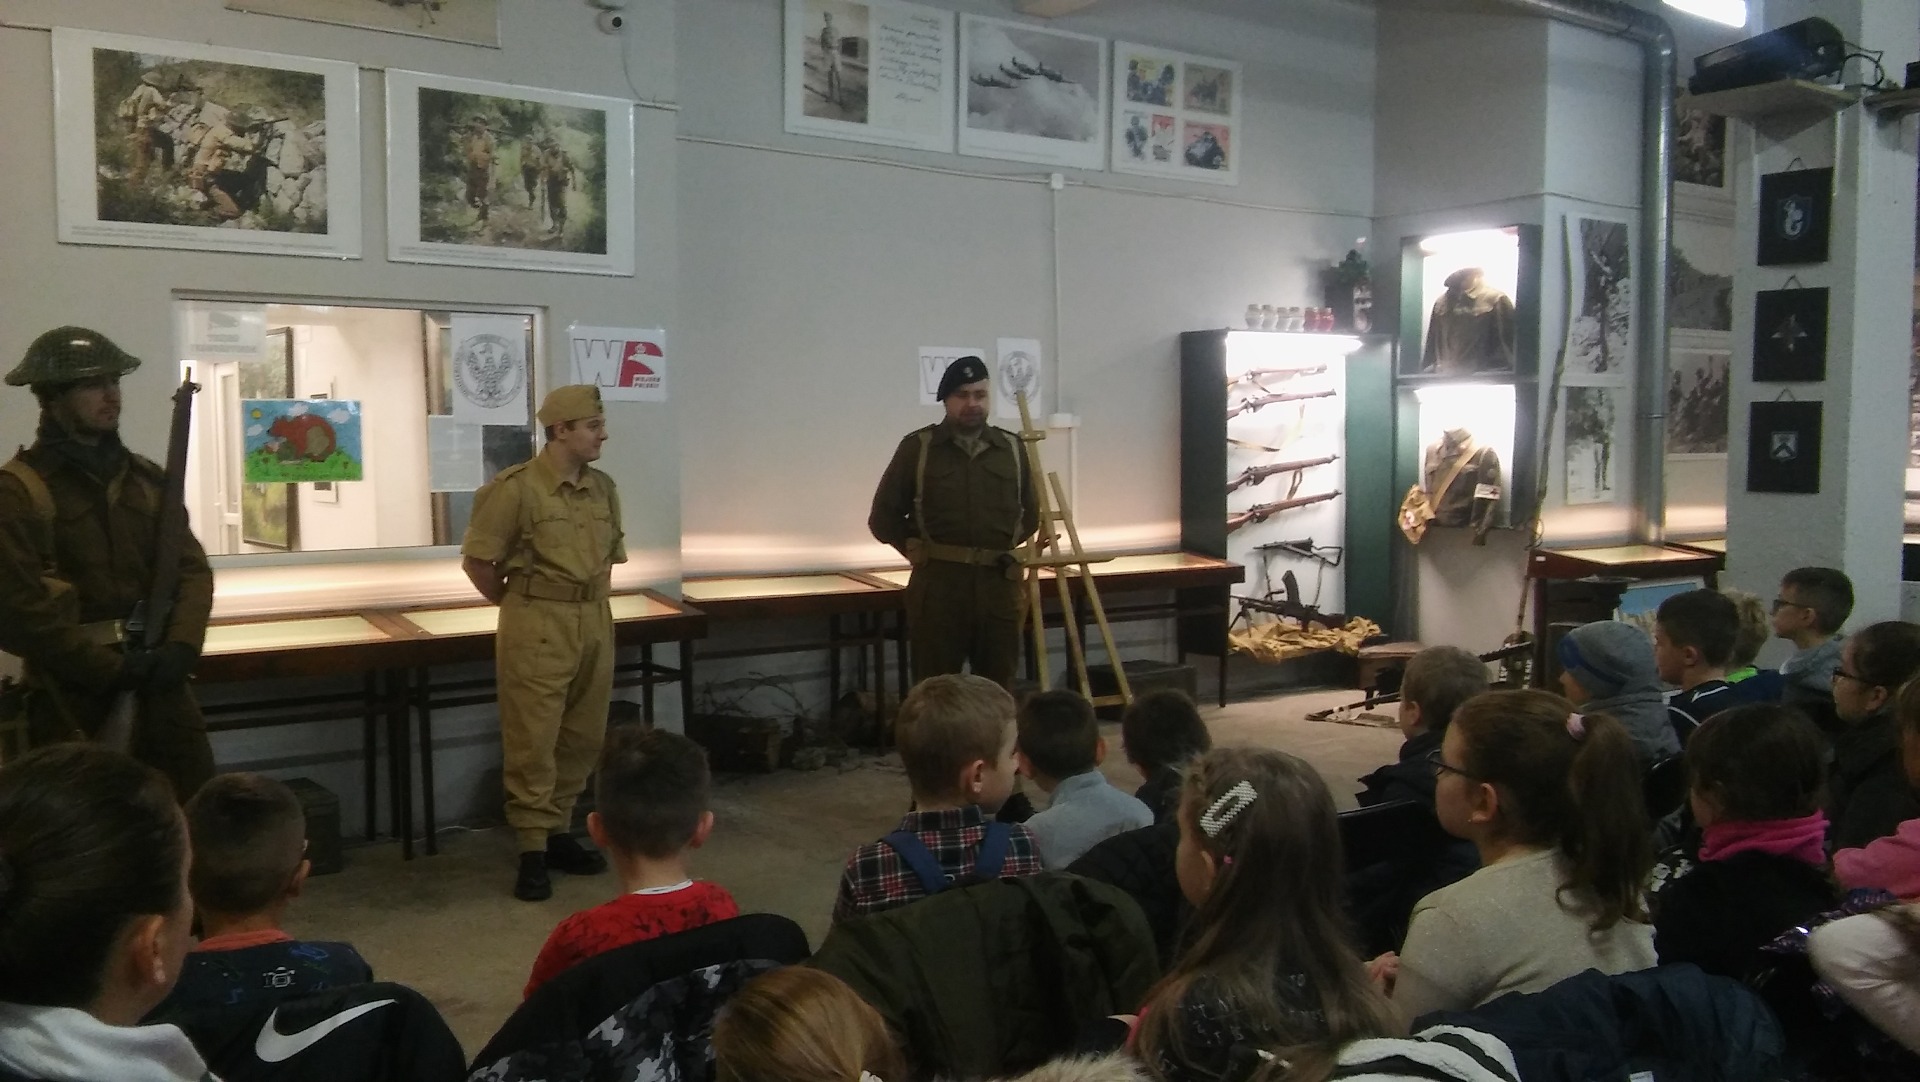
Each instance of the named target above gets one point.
<point>1052,9</point>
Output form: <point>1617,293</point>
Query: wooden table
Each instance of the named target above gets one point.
<point>394,650</point>
<point>1599,564</point>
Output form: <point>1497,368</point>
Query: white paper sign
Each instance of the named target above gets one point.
<point>489,363</point>
<point>220,331</point>
<point>1018,369</point>
<point>456,456</point>
<point>628,364</point>
<point>933,364</point>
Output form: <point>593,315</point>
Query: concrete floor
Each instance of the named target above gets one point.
<point>448,926</point>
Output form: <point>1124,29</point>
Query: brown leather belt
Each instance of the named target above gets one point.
<point>549,590</point>
<point>960,554</point>
<point>105,632</point>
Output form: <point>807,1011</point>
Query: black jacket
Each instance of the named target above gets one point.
<point>1719,914</point>
<point>1140,862</point>
<point>390,1033</point>
<point>1409,777</point>
<point>1161,794</point>
<point>1867,792</point>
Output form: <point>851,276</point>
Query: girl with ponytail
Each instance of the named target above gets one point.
<point>1552,800</point>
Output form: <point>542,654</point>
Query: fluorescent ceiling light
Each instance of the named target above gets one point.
<point>1729,12</point>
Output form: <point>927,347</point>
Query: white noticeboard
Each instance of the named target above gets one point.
<point>218,330</point>
<point>456,458</point>
<point>490,376</point>
<point>628,364</point>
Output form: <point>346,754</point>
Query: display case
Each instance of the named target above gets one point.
<point>1286,467</point>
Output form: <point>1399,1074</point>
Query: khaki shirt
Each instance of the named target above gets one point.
<point>479,149</point>
<point>982,500</point>
<point>217,146</point>
<point>536,525</point>
<point>144,106</point>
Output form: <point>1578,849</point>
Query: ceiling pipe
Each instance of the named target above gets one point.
<point>1655,39</point>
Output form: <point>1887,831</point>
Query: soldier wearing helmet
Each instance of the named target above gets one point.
<point>78,516</point>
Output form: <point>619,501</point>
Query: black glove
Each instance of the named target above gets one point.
<point>136,668</point>
<point>172,663</point>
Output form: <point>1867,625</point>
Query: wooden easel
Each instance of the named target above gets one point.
<point>1042,552</point>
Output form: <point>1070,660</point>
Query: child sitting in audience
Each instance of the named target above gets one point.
<point>1269,962</point>
<point>650,812</point>
<point>1060,748</point>
<point>1607,667</point>
<point>1868,796</point>
<point>1756,778</point>
<point>956,737</point>
<point>1693,636</point>
<point>1161,732</point>
<point>1750,683</point>
<point>1812,605</point>
<point>799,1024</point>
<point>95,919</point>
<point>1551,798</point>
<point>1892,863</point>
<point>249,862</point>
<point>1436,681</point>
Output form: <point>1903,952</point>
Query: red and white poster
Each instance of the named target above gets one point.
<point>628,364</point>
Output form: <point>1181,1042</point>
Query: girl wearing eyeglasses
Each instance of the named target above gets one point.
<point>1868,796</point>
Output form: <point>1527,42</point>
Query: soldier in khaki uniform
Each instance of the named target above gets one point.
<point>956,500</point>
<point>143,110</point>
<point>78,517</point>
<point>542,543</point>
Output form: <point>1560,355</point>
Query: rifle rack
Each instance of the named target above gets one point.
<point>1043,551</point>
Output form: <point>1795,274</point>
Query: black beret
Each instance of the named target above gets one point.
<point>961,372</point>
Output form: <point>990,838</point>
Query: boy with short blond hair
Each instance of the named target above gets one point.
<point>956,737</point>
<point>651,810</point>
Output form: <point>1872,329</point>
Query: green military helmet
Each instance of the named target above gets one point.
<point>68,354</point>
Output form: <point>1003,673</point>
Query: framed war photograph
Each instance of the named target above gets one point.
<point>1175,115</point>
<point>475,22</point>
<point>1032,94</point>
<point>1600,347</point>
<point>875,72</point>
<point>1697,402</point>
<point>163,144</point>
<point>493,175</point>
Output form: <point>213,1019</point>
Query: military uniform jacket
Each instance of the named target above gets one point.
<point>983,501</point>
<point>543,528</point>
<point>103,547</point>
<point>1474,496</point>
<point>1471,329</point>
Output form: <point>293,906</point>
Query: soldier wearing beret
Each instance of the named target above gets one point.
<point>79,519</point>
<point>542,543</point>
<point>957,500</point>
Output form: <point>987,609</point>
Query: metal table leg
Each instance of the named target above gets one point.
<point>646,683</point>
<point>399,769</point>
<point>370,749</point>
<point>686,682</point>
<point>424,691</point>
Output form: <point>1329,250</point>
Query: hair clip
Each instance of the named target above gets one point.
<point>1576,726</point>
<point>1222,812</point>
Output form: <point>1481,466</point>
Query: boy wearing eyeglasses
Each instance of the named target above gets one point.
<point>1813,604</point>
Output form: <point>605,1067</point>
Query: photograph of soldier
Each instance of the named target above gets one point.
<point>1697,403</point>
<point>471,145</point>
<point>1207,145</point>
<point>474,21</point>
<point>1209,89</point>
<point>200,143</point>
<point>956,500</point>
<point>1149,80</point>
<point>541,544</point>
<point>835,56</point>
<point>79,518</point>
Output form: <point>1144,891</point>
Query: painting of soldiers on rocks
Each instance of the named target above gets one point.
<point>476,22</point>
<point>179,147</point>
<point>488,174</point>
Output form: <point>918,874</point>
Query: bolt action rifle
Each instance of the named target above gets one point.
<point>146,626</point>
<point>1248,405</point>
<point>1256,474</point>
<point>1255,375</point>
<point>1261,512</point>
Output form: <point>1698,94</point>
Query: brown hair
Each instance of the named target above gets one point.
<point>947,723</point>
<point>1440,678</point>
<point>1706,620</point>
<point>800,1024</point>
<point>1163,728</point>
<point>89,840</point>
<point>1579,792</point>
<point>249,837</point>
<point>1058,733</point>
<point>1826,590</point>
<point>1886,654</point>
<point>1276,907</point>
<point>651,790</point>
<point>1753,631</point>
<point>1759,762</point>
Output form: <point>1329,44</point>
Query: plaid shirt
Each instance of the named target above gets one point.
<point>876,878</point>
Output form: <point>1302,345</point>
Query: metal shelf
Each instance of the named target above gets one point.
<point>1763,100</point>
<point>1894,104</point>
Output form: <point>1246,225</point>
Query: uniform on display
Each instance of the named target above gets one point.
<point>1472,328</point>
<point>1460,487</point>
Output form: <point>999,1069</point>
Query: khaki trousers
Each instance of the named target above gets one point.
<point>964,615</point>
<point>554,661</point>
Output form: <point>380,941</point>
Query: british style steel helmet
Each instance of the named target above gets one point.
<point>66,354</point>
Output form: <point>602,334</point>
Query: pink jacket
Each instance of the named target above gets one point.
<point>1890,863</point>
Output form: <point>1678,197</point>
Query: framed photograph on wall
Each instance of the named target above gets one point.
<point>167,144</point>
<point>1032,94</point>
<point>1700,170</point>
<point>492,175</point>
<point>1783,447</point>
<point>1790,335</point>
<point>1175,115</point>
<point>1697,402</point>
<point>875,72</point>
<point>1600,345</point>
<point>1796,217</point>
<point>475,22</point>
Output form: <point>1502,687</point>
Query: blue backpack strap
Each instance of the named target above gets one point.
<point>993,850</point>
<point>919,860</point>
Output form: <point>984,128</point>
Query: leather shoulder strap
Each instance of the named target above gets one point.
<point>920,484</point>
<point>1467,455</point>
<point>40,497</point>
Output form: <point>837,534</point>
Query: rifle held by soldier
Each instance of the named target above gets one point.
<point>1256,474</point>
<point>1261,512</point>
<point>1248,405</point>
<point>146,626</point>
<point>1255,375</point>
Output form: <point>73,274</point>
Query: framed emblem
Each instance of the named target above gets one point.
<point>1796,216</point>
<point>1783,447</point>
<point>1790,335</point>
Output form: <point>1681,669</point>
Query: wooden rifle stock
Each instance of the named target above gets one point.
<point>1263,511</point>
<point>1255,375</point>
<point>1256,474</point>
<point>1248,405</point>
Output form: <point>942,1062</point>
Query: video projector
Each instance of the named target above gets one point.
<point>1808,49</point>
